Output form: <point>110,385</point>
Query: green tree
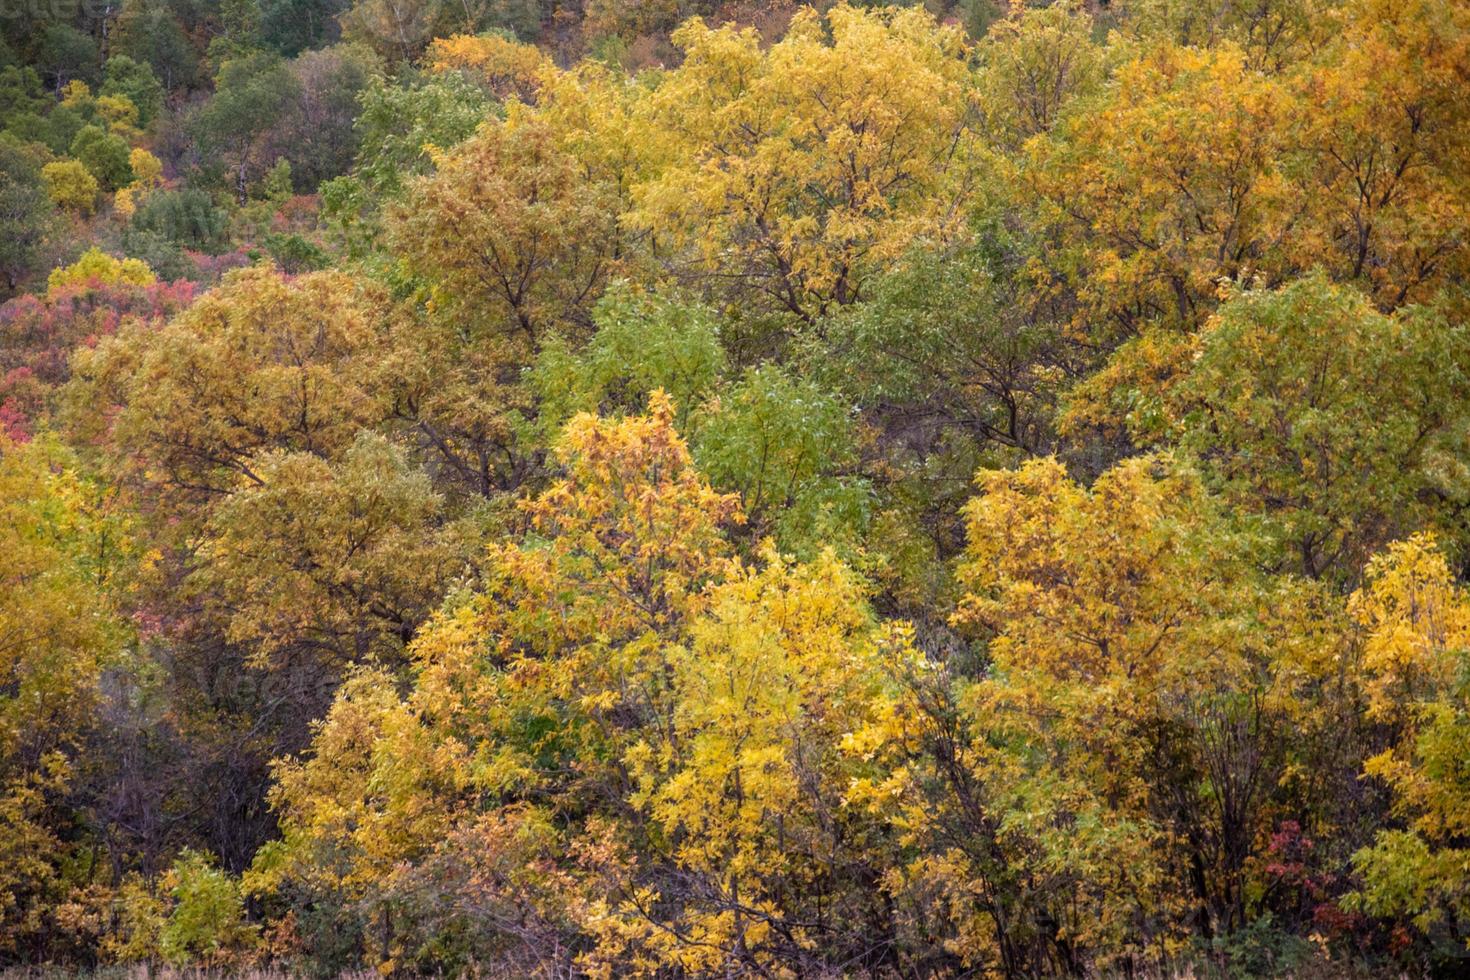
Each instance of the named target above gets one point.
<point>26,213</point>
<point>135,81</point>
<point>105,156</point>
<point>293,26</point>
<point>187,217</point>
<point>253,92</point>
<point>1342,426</point>
<point>644,342</point>
<point>65,53</point>
<point>319,135</point>
<point>149,32</point>
<point>789,449</point>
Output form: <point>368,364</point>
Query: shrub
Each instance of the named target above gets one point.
<point>187,218</point>
<point>207,923</point>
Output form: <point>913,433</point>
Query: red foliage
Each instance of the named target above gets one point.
<point>39,333</point>
<point>208,269</point>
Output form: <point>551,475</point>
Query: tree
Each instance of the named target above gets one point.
<point>1385,163</point>
<point>236,30</point>
<point>253,92</point>
<point>39,333</point>
<point>294,26</point>
<point>503,67</point>
<point>784,444</point>
<point>105,156</point>
<point>1275,34</point>
<point>789,449</point>
<point>1336,423</point>
<point>25,213</point>
<point>147,176</point>
<point>1170,184</point>
<point>20,93</point>
<point>149,32</point>
<point>120,115</point>
<point>59,631</point>
<point>531,242</point>
<point>343,799</point>
<point>509,229</point>
<point>70,185</point>
<point>147,168</point>
<point>770,870</point>
<point>345,559</point>
<point>400,125</point>
<point>952,367</point>
<point>206,924</point>
<point>1417,621</point>
<point>96,266</point>
<point>1033,66</point>
<point>187,218</point>
<point>259,363</point>
<point>135,81</point>
<point>399,32</point>
<point>317,133</point>
<point>281,376</point>
<point>645,342</point>
<point>796,169</point>
<point>528,689</point>
<point>1108,779</point>
<point>65,53</point>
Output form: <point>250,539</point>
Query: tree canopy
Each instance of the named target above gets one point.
<point>592,488</point>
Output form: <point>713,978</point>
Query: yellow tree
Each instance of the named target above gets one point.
<point>260,362</point>
<point>59,630</point>
<point>461,396</point>
<point>69,185</point>
<point>1385,145</point>
<point>1166,186</point>
<point>374,793</point>
<point>1417,623</point>
<point>773,873</point>
<point>1200,166</point>
<point>292,548</point>
<point>576,616</point>
<point>1033,65</point>
<point>95,264</point>
<point>1276,35</point>
<point>345,557</point>
<point>595,113</point>
<point>1151,703</point>
<point>147,177</point>
<point>795,168</point>
<point>510,232</point>
<point>504,67</point>
<point>1171,182</point>
<point>528,691</point>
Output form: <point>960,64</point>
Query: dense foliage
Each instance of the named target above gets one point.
<point>604,488</point>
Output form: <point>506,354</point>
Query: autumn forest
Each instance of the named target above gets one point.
<point>730,488</point>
